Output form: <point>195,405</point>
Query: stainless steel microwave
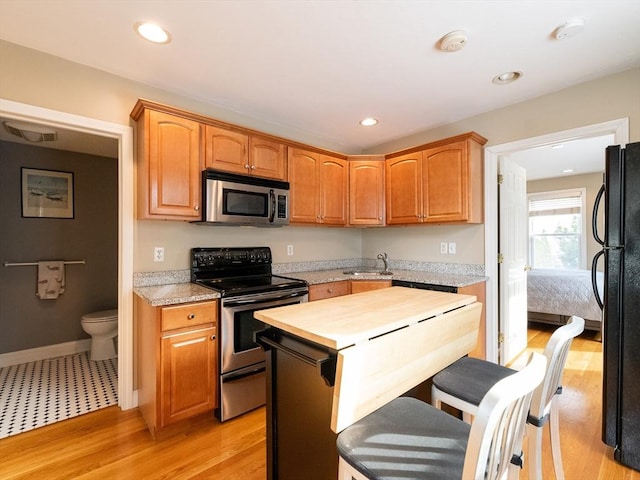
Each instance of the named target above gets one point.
<point>230,199</point>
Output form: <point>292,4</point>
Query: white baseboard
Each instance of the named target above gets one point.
<point>42,353</point>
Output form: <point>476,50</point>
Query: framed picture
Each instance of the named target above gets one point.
<point>47,193</point>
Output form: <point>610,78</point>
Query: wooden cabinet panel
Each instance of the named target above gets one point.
<point>333,190</point>
<point>267,158</point>
<point>188,376</point>
<point>479,290</point>
<point>366,191</point>
<point>446,183</point>
<point>358,286</point>
<point>321,291</point>
<point>404,189</point>
<point>319,186</point>
<point>442,183</point>
<point>176,367</point>
<point>226,150</point>
<point>169,167</point>
<point>304,195</point>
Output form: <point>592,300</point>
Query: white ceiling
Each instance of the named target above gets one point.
<point>319,66</point>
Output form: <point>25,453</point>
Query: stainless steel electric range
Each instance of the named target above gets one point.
<point>245,282</point>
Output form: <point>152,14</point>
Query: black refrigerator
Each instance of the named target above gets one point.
<point>621,301</point>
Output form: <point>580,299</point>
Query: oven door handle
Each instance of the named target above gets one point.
<point>252,301</point>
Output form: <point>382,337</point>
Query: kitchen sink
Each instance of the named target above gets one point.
<point>367,272</point>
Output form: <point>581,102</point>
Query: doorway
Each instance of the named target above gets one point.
<point>124,135</point>
<point>618,128</point>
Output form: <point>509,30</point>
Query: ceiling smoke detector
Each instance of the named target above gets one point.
<point>31,133</point>
<point>453,41</point>
<point>569,29</point>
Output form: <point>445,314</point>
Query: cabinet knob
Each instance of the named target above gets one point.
<point>213,337</point>
<point>247,166</point>
<point>253,167</point>
<point>191,316</point>
<point>196,208</point>
<point>329,290</point>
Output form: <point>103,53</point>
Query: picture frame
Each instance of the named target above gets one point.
<point>47,193</point>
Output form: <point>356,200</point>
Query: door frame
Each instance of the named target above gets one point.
<point>620,130</point>
<point>124,135</point>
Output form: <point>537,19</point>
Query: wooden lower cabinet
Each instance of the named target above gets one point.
<point>358,286</point>
<point>177,361</point>
<point>321,291</point>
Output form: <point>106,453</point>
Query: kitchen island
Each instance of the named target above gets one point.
<point>334,361</point>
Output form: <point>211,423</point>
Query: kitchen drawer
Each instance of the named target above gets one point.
<point>189,315</point>
<point>328,290</point>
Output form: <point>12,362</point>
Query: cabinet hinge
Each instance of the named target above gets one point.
<point>500,179</point>
<point>500,338</point>
<point>500,258</point>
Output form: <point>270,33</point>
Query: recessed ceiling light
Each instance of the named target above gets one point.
<point>506,77</point>
<point>152,32</point>
<point>567,170</point>
<point>368,122</point>
<point>557,146</point>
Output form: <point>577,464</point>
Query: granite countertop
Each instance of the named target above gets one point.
<point>434,278</point>
<point>161,295</point>
<point>170,288</point>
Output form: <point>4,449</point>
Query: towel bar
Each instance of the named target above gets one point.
<point>35,264</point>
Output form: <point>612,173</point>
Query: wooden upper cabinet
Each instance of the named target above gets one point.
<point>439,184</point>
<point>168,166</point>
<point>366,190</point>
<point>404,189</point>
<point>318,186</point>
<point>237,152</point>
<point>267,158</point>
<point>226,150</point>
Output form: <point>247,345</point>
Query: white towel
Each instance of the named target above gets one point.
<point>50,280</point>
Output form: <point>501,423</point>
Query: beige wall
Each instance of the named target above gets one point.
<point>50,82</point>
<point>591,182</point>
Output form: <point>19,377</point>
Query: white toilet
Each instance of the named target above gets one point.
<point>103,328</point>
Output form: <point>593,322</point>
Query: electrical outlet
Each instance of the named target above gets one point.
<point>452,248</point>
<point>158,254</point>
<point>289,250</point>
<point>443,247</point>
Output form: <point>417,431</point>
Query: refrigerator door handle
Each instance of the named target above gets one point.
<point>594,218</point>
<point>594,283</point>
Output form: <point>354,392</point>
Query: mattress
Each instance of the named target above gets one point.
<point>564,292</point>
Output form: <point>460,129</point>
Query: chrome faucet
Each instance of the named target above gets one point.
<point>385,259</point>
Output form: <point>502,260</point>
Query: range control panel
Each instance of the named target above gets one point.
<point>224,257</point>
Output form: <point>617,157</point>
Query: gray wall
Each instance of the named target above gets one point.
<point>26,321</point>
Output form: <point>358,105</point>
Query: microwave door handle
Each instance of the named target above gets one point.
<point>272,202</point>
<point>594,215</point>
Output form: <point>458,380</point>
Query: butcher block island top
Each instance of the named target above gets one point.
<point>386,341</point>
<point>341,322</point>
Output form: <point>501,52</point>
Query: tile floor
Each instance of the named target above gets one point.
<point>38,393</point>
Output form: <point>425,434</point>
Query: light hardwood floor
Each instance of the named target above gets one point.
<point>111,444</point>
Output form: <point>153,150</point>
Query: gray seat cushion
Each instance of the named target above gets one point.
<point>469,379</point>
<point>404,439</point>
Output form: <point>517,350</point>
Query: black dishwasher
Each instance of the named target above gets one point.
<point>300,378</point>
<point>424,286</point>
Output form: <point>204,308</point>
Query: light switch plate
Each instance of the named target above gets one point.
<point>452,248</point>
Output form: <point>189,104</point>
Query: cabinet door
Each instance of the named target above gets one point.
<point>328,290</point>
<point>267,158</point>
<point>445,173</point>
<point>358,286</point>
<point>304,184</point>
<point>170,151</point>
<point>187,374</point>
<point>366,192</point>
<point>404,189</point>
<point>334,177</point>
<point>226,150</point>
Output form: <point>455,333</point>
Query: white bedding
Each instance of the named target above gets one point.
<point>563,292</point>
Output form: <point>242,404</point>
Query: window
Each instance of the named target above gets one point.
<point>556,229</point>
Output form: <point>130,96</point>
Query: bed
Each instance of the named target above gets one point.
<point>554,295</point>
